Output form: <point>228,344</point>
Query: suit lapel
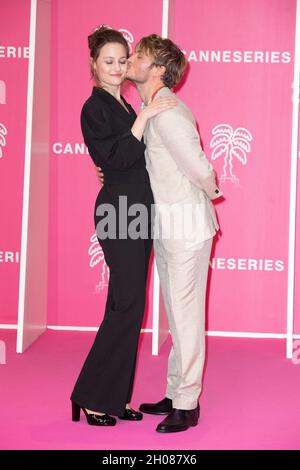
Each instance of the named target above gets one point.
<point>116,107</point>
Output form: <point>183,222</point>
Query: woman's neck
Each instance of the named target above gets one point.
<point>113,90</point>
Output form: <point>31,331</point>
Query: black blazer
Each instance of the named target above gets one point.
<point>106,128</point>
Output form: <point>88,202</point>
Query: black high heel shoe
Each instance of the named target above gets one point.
<point>92,419</point>
<point>131,415</point>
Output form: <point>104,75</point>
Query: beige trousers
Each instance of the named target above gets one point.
<point>183,276</point>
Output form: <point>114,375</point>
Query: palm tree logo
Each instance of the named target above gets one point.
<point>97,256</point>
<point>230,143</point>
<point>3,132</point>
<point>128,36</point>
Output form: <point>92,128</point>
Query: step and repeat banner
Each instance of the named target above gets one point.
<point>239,85</point>
<point>78,274</point>
<point>14,54</point>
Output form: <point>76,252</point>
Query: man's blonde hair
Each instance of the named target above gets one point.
<point>165,53</point>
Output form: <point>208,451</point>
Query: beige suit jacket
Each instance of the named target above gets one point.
<point>181,177</point>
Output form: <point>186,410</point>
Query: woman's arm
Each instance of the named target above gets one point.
<point>154,108</point>
<point>157,106</point>
<point>107,149</point>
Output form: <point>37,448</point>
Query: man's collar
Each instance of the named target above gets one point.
<point>164,91</point>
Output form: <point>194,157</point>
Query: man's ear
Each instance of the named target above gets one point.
<point>160,69</point>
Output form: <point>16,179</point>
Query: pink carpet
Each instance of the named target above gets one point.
<point>250,398</point>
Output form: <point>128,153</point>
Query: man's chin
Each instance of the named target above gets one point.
<point>129,77</point>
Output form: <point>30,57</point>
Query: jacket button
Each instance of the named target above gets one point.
<point>216,191</point>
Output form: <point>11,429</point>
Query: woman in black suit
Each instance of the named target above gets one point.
<point>113,134</point>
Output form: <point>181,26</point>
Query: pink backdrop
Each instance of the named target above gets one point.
<point>239,80</point>
<point>297,258</point>
<point>77,271</point>
<point>237,97</point>
<point>14,52</point>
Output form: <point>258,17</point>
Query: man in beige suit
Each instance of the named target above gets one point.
<point>183,185</point>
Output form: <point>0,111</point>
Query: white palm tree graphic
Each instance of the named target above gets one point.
<point>3,132</point>
<point>230,143</point>
<point>128,36</point>
<point>97,256</point>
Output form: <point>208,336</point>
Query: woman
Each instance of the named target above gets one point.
<point>113,134</point>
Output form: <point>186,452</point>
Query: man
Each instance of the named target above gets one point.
<point>183,183</point>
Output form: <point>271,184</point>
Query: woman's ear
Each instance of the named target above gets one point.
<point>93,63</point>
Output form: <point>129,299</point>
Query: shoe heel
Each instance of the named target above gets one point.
<point>75,412</point>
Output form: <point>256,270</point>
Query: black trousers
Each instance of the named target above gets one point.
<point>105,382</point>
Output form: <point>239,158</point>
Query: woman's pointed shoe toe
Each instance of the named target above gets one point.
<point>131,415</point>
<point>92,418</point>
<point>100,420</point>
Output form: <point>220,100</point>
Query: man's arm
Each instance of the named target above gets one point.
<point>180,137</point>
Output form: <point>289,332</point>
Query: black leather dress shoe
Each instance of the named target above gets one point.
<point>179,420</point>
<point>163,407</point>
<point>131,415</point>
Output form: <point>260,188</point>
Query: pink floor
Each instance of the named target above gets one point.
<point>251,397</point>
